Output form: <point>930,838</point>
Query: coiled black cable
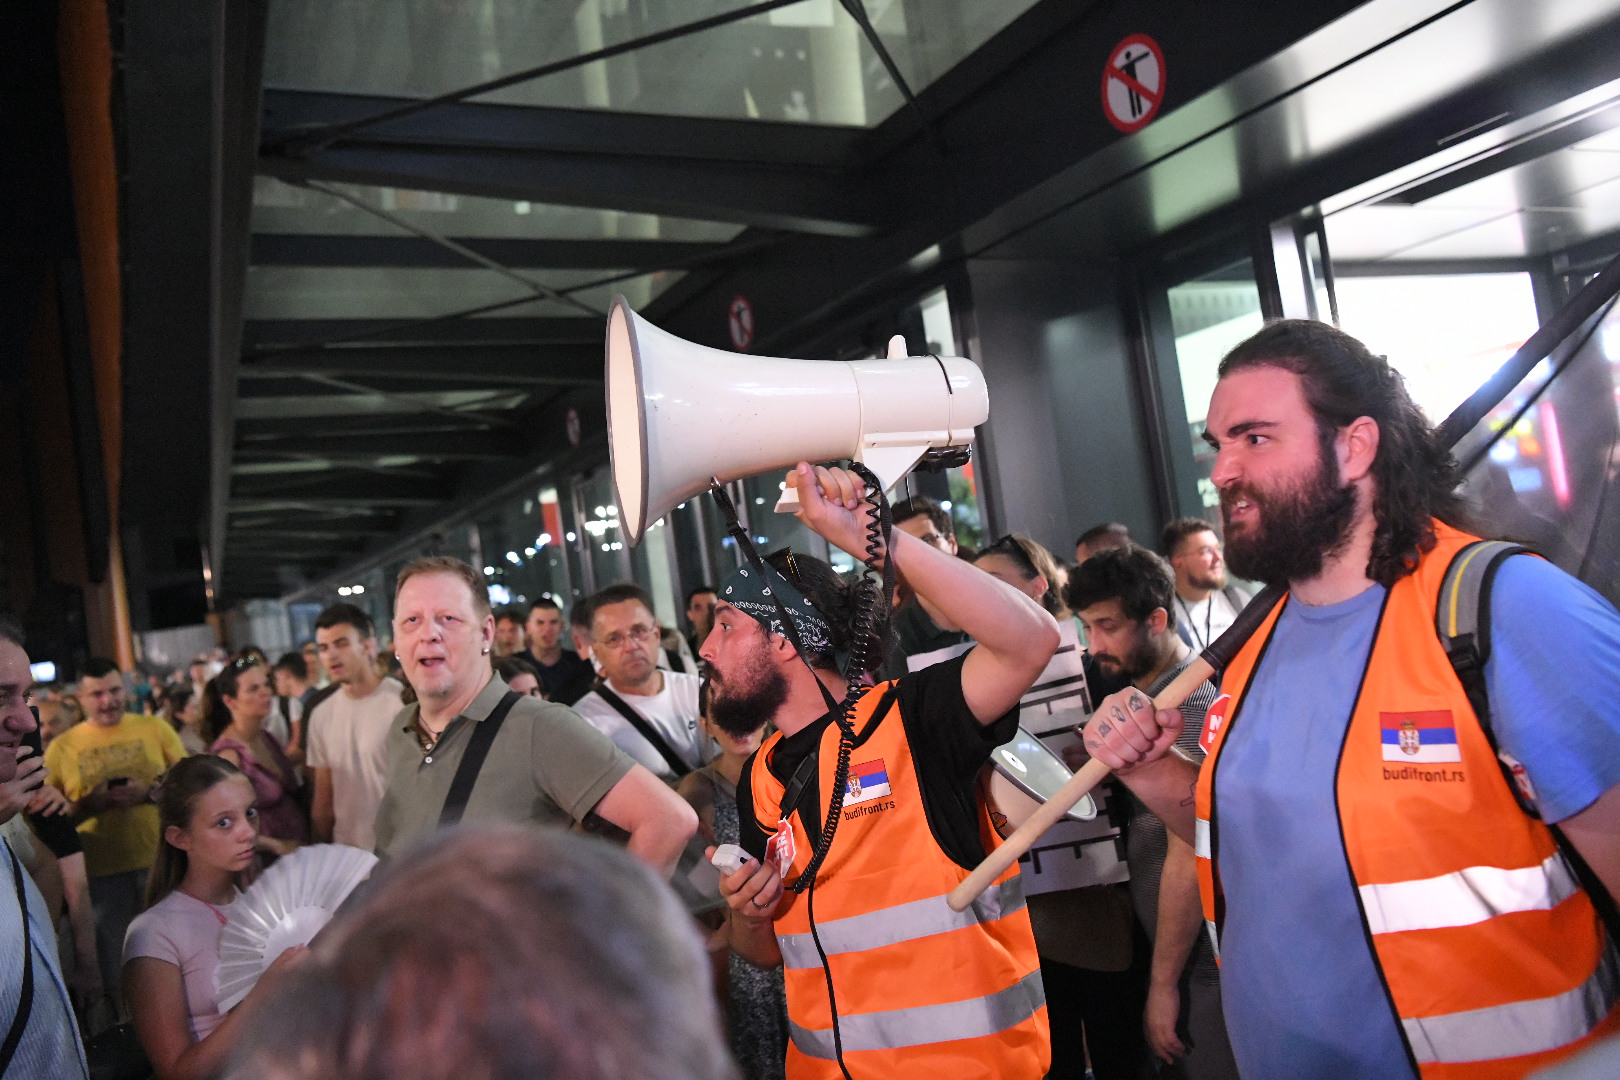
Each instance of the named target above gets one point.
<point>872,600</point>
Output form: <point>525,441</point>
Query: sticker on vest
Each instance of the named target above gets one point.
<point>867,781</point>
<point>781,849</point>
<point>1421,738</point>
<point>1213,719</point>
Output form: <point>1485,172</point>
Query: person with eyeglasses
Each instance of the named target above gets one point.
<point>923,634</point>
<point>649,713</point>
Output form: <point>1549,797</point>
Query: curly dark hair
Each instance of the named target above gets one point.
<point>833,595</point>
<point>1415,477</point>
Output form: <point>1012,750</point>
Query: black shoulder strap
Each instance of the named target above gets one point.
<point>25,1000</point>
<point>1462,619</point>
<point>483,736</point>
<point>793,796</point>
<point>676,763</point>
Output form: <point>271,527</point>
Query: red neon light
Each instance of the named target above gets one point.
<point>1555,453</point>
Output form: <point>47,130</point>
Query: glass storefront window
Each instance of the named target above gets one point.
<point>1209,314</point>
<point>524,550</point>
<point>1445,333</point>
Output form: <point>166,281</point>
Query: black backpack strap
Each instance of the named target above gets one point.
<point>483,737</point>
<point>1462,619</point>
<point>676,763</point>
<point>25,1000</point>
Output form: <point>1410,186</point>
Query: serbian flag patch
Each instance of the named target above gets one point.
<point>1419,736</point>
<point>868,780</point>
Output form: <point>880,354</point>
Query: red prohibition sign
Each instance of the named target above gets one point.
<point>741,317</point>
<point>1133,83</point>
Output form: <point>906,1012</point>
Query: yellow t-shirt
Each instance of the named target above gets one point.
<point>139,747</point>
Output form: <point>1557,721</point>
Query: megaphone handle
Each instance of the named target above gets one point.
<point>1052,810</point>
<point>789,501</point>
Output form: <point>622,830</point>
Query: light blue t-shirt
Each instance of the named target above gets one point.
<point>1303,999</point>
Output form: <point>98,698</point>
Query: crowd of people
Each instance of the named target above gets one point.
<point>1344,888</point>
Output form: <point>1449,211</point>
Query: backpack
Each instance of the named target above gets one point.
<point>1462,620</point>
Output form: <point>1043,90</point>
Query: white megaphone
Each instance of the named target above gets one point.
<point>681,416</point>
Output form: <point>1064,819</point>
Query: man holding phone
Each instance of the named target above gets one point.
<point>106,766</point>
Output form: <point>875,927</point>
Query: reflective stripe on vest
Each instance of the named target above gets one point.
<point>903,922</point>
<point>1467,896</point>
<point>898,1028</point>
<point>1518,1028</point>
<point>1201,846</point>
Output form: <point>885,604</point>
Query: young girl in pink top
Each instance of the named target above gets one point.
<point>171,955</point>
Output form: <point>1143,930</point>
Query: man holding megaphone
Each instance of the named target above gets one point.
<point>880,972</point>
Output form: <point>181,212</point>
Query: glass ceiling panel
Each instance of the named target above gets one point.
<point>312,292</point>
<point>286,208</point>
<point>807,62</point>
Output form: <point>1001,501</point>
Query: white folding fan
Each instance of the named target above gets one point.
<point>287,906</point>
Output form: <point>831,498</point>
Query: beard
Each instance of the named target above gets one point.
<point>1141,659</point>
<point>1214,579</point>
<point>1296,529</point>
<point>741,703</point>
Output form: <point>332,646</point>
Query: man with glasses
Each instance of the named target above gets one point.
<point>649,713</point>
<point>925,636</point>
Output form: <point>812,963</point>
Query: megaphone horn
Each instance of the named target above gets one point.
<point>682,415</point>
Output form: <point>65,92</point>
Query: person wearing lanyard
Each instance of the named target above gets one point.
<point>171,956</point>
<point>1206,603</point>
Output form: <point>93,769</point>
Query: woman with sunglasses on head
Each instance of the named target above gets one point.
<point>171,954</point>
<point>237,701</point>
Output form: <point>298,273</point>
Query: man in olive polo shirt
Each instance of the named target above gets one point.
<point>546,765</point>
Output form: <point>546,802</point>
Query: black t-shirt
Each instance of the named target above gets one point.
<point>915,632</point>
<point>557,679</point>
<point>948,744</point>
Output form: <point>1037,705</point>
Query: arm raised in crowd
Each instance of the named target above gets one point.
<point>659,821</point>
<point>1015,636</point>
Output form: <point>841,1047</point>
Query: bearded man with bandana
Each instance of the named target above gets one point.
<point>882,977</point>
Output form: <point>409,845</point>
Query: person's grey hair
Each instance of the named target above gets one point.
<point>499,952</point>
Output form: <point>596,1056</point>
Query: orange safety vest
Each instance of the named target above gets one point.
<point>1495,960</point>
<point>922,991</point>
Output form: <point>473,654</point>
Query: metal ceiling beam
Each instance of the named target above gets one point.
<point>507,365</point>
<point>796,177</point>
<point>264,335</point>
<point>313,249</point>
<point>311,535</point>
<point>293,428</point>
<point>437,446</point>
<point>327,488</point>
<point>531,128</point>
<point>320,502</point>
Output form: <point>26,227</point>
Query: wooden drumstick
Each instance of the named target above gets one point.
<point>1093,772</point>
